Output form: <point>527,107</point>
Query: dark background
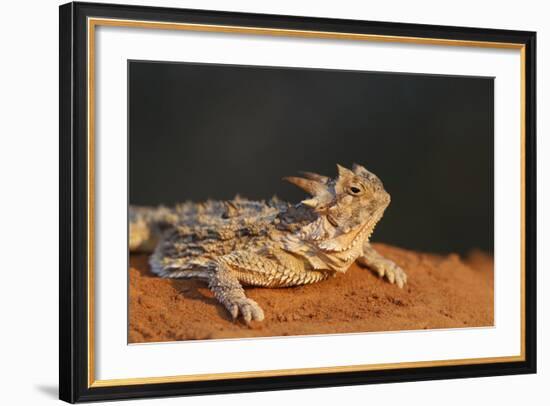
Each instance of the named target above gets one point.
<point>201,131</point>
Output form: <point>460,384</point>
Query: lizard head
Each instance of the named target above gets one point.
<point>347,207</point>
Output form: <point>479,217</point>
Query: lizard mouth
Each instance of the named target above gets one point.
<point>349,240</point>
<point>332,221</point>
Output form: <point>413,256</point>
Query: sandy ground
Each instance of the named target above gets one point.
<point>443,291</point>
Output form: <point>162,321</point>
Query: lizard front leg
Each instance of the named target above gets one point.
<point>226,287</point>
<point>251,269</point>
<point>383,266</point>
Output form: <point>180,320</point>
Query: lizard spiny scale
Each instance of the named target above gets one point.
<point>269,244</point>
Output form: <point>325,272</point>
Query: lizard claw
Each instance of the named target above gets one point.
<point>382,266</point>
<point>234,310</point>
<point>248,308</point>
<point>393,273</point>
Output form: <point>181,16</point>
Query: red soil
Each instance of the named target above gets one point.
<point>442,292</point>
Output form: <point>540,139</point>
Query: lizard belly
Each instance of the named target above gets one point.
<point>256,270</point>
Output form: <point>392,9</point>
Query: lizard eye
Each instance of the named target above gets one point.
<point>354,190</point>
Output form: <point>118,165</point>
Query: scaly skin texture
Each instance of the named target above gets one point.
<point>231,244</point>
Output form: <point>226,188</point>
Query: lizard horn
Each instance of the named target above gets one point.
<point>315,176</point>
<point>360,170</point>
<point>344,172</point>
<point>312,187</point>
<point>313,202</point>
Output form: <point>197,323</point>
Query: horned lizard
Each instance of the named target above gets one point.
<point>231,244</point>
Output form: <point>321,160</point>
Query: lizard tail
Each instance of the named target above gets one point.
<point>178,267</point>
<point>146,225</point>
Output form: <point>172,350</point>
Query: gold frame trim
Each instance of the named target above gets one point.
<point>92,23</point>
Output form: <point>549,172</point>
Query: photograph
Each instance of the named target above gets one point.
<point>279,201</point>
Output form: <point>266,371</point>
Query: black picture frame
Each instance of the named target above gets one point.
<point>74,384</point>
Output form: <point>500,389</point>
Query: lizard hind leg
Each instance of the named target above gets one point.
<point>223,282</point>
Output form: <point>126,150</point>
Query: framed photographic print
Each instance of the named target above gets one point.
<point>256,202</point>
